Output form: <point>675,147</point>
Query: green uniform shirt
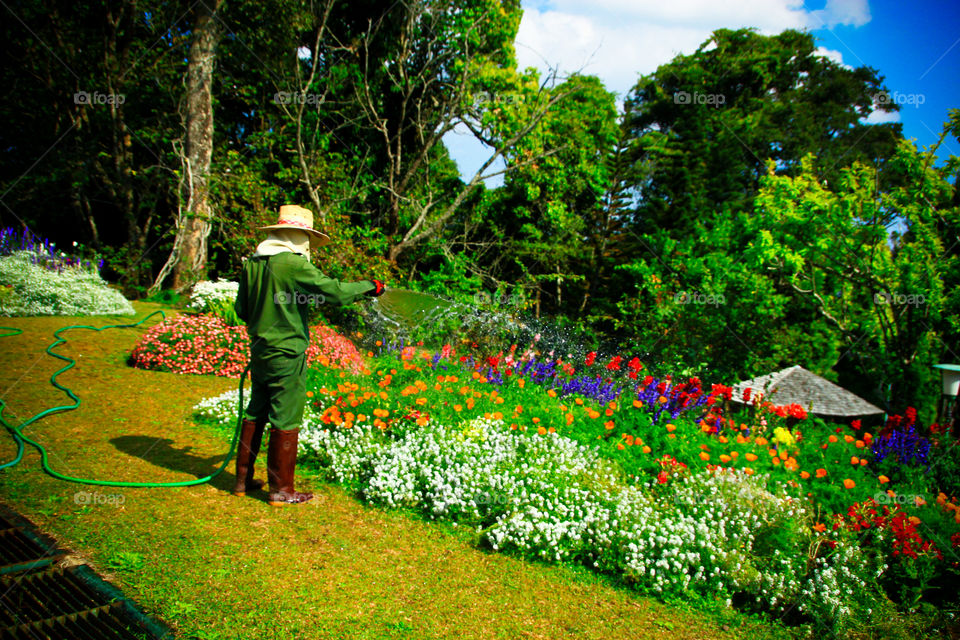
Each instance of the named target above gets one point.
<point>274,300</point>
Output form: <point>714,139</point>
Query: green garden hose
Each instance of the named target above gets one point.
<point>20,438</point>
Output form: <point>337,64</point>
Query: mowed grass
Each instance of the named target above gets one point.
<point>216,566</point>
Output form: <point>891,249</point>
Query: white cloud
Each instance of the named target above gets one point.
<point>619,39</point>
<point>855,13</point>
<point>879,117</point>
<point>832,54</point>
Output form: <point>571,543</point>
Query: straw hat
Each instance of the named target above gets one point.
<point>296,217</point>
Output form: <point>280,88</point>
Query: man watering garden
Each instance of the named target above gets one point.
<point>278,284</point>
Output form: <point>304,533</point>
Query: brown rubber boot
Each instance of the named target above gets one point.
<point>248,446</point>
<point>281,462</point>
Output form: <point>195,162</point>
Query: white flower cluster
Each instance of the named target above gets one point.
<point>222,409</point>
<point>34,290</point>
<point>701,534</point>
<point>206,292</point>
<point>836,587</point>
<point>716,533</point>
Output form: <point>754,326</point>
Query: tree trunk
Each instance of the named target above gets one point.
<point>190,245</point>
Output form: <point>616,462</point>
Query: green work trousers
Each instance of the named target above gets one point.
<point>279,390</point>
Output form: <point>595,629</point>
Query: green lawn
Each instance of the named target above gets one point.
<point>216,566</point>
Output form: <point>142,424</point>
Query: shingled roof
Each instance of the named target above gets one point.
<point>815,394</point>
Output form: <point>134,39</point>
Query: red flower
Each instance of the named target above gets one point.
<point>591,357</point>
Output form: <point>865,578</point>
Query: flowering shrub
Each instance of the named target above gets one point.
<point>199,344</point>
<point>36,286</point>
<point>216,298</point>
<point>206,295</point>
<point>206,344</point>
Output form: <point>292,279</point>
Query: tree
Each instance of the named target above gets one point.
<point>188,257</point>
<point>871,262</point>
<point>710,121</point>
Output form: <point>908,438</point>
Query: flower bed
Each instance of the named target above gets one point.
<point>646,478</point>
<point>36,279</point>
<point>206,344</point>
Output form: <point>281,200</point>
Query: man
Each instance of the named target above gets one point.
<point>277,286</point>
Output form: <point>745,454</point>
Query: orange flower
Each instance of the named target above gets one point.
<point>821,473</point>
<point>671,428</point>
<point>609,412</point>
<point>725,458</point>
<point>551,393</point>
<point>860,444</point>
<point>761,441</point>
<point>704,456</point>
<point>541,430</point>
<point>854,460</point>
<point>637,404</point>
<point>832,438</point>
<point>820,527</point>
<point>521,382</point>
<point>748,471</point>
<point>751,457</point>
<point>723,439</point>
<point>646,449</point>
<point>608,424</point>
<point>804,474</point>
<point>309,394</point>
<point>883,479</point>
<point>849,484</point>
<point>848,438</point>
<point>776,461</point>
<point>536,420</point>
<point>458,408</point>
<point>569,418</point>
<point>734,454</point>
<point>620,446</point>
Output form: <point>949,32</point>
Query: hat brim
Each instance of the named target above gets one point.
<point>317,238</point>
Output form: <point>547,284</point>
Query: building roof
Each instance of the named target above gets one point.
<point>815,394</point>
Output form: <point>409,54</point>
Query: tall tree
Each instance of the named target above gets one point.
<point>188,257</point>
<point>711,120</point>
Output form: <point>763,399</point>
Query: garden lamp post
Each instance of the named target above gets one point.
<point>947,407</point>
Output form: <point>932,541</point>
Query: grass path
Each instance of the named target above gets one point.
<point>216,566</point>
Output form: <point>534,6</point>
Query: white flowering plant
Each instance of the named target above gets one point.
<point>35,286</point>
<point>207,296</point>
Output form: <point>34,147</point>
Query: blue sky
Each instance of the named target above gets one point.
<point>914,46</point>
